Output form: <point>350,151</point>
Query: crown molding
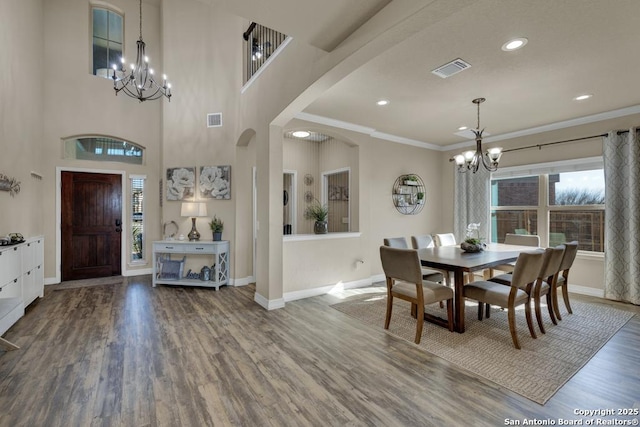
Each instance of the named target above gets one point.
<point>627,111</point>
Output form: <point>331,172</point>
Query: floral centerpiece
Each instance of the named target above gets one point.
<point>473,241</point>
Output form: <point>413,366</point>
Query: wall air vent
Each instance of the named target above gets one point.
<point>453,67</point>
<point>214,120</point>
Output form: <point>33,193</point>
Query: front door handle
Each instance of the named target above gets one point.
<point>118,223</point>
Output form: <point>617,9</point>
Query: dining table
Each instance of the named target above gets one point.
<point>454,259</point>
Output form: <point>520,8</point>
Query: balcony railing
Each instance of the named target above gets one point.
<point>260,43</point>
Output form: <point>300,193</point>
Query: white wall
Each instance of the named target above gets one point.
<point>21,90</point>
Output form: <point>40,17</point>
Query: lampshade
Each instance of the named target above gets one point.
<point>193,209</point>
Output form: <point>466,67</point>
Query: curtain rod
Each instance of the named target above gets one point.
<point>539,146</point>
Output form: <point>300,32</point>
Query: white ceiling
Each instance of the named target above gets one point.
<point>575,47</point>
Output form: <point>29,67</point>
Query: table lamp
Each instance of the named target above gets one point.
<point>193,210</point>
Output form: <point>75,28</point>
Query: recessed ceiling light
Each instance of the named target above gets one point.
<point>301,134</point>
<point>583,97</point>
<point>514,44</point>
<point>462,128</point>
<point>382,102</point>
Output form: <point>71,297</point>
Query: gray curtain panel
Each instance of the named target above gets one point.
<point>622,216</point>
<point>471,203</point>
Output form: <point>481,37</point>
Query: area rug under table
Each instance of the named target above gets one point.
<point>537,371</point>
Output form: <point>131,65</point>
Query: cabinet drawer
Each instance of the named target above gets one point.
<point>9,264</point>
<point>168,248</point>
<point>12,289</point>
<point>204,248</point>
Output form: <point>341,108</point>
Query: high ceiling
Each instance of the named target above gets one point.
<point>574,47</point>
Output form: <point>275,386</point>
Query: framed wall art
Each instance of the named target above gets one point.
<point>214,182</point>
<point>181,183</point>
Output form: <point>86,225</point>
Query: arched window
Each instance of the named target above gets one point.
<point>103,149</point>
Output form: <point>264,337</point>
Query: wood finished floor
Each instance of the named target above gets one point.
<point>134,355</point>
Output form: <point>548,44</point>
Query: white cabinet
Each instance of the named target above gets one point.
<point>21,279</point>
<point>213,253</point>
<point>33,271</point>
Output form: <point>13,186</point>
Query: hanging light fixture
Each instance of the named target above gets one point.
<point>471,160</point>
<point>139,82</point>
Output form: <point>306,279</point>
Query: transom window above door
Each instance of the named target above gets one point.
<point>103,149</point>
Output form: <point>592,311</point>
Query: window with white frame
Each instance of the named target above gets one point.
<point>137,219</point>
<point>108,37</point>
<point>560,202</point>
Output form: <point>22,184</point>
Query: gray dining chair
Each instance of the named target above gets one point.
<point>532,240</point>
<point>518,293</point>
<point>401,243</point>
<point>547,277</point>
<point>426,241</point>
<point>570,252</point>
<point>448,239</point>
<point>403,274</point>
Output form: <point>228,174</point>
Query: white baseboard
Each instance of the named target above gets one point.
<point>268,304</point>
<point>242,282</point>
<point>137,272</point>
<point>585,290</point>
<point>322,290</point>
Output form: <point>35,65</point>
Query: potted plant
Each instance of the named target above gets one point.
<point>420,197</point>
<point>216,226</point>
<point>410,180</point>
<point>473,241</point>
<point>319,214</point>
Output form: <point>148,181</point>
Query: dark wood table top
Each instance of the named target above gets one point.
<point>452,257</point>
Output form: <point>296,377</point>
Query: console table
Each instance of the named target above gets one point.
<point>21,281</point>
<point>217,251</point>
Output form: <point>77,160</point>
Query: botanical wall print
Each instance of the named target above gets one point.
<point>11,185</point>
<point>215,182</point>
<point>181,183</point>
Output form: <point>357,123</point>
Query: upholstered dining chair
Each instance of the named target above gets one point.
<point>516,239</point>
<point>445,239</point>
<point>448,239</point>
<point>524,276</point>
<point>401,243</point>
<point>404,281</point>
<point>426,241</point>
<point>570,252</point>
<point>547,277</point>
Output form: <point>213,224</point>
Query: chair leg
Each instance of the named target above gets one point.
<point>480,310</point>
<point>536,300</point>
<point>512,327</point>
<point>487,310</point>
<point>414,310</point>
<point>550,307</point>
<point>441,304</point>
<point>556,307</point>
<point>389,307</point>
<point>565,296</point>
<point>527,313</point>
<point>450,314</point>
<point>420,323</point>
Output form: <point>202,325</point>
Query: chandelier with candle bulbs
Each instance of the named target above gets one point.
<point>471,160</point>
<point>139,82</point>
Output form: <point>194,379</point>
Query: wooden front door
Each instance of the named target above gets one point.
<point>91,225</point>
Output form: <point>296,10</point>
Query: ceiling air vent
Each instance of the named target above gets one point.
<point>453,67</point>
<point>214,120</point>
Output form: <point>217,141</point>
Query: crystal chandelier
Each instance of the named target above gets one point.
<point>471,160</point>
<point>139,82</point>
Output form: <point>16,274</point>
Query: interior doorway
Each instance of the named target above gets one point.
<point>91,225</point>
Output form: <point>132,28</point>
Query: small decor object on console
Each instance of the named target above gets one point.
<point>216,226</point>
<point>473,244</point>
